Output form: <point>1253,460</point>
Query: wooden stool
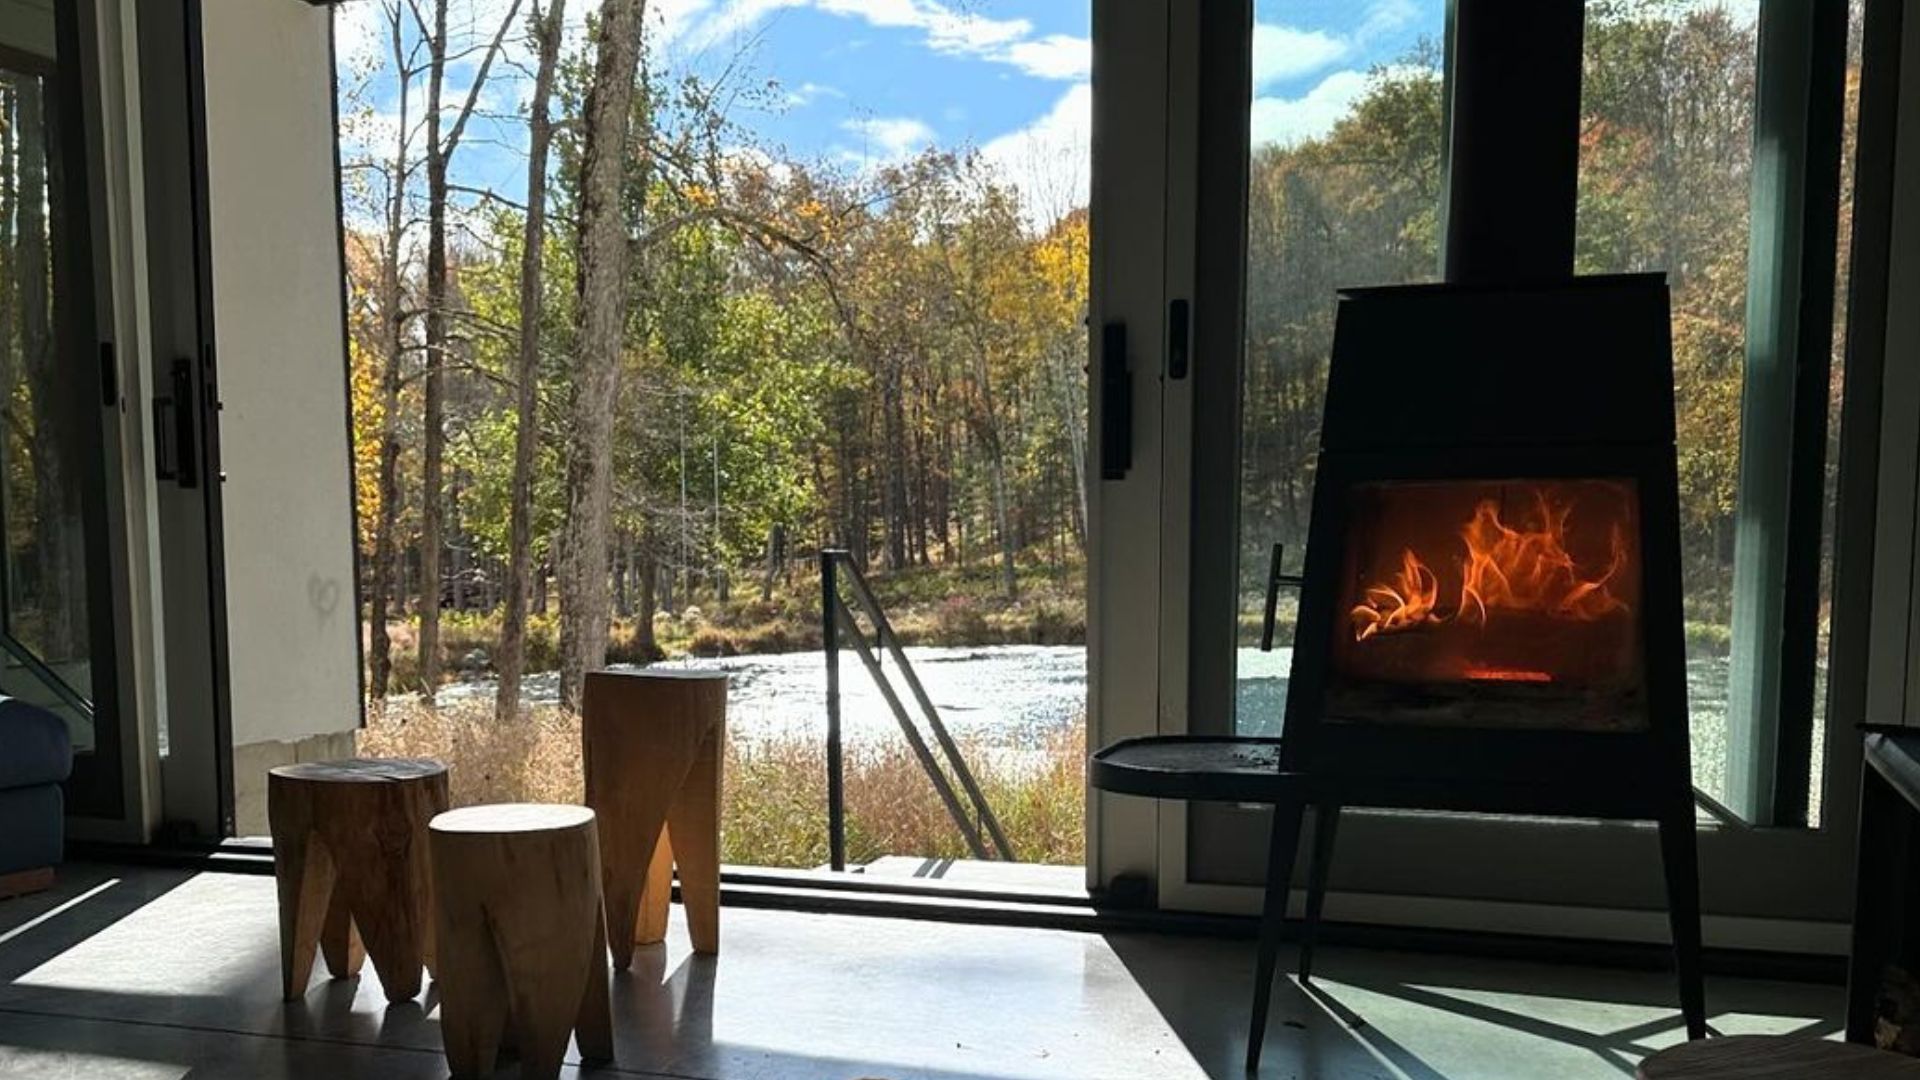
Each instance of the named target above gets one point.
<point>1767,1057</point>
<point>349,852</point>
<point>652,741</point>
<point>522,936</point>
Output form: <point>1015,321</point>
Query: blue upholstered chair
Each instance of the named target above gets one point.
<point>36,754</point>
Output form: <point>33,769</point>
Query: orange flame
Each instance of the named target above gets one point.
<point>1406,603</point>
<point>1505,569</point>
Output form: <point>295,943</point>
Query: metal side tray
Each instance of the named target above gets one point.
<point>1196,767</point>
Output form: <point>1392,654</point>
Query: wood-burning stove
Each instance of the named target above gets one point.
<point>1491,599</point>
<point>1490,613</point>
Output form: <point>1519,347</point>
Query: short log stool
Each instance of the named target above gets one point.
<point>522,937</point>
<point>350,855</point>
<point>1776,1057</point>
<point>652,743</point>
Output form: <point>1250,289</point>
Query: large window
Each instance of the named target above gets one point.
<point>1343,189</point>
<point>1666,176</point>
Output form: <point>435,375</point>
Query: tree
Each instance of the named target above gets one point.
<point>439,155</point>
<point>390,303</point>
<point>512,652</point>
<point>602,240</point>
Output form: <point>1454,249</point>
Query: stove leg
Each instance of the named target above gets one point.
<point>1280,854</point>
<point>1326,821</point>
<point>1678,848</point>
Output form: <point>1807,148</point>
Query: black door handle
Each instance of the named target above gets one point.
<point>174,445</point>
<point>1116,403</point>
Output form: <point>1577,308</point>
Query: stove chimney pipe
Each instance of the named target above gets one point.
<point>1513,139</point>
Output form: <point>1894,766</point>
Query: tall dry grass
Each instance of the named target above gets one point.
<point>774,792</point>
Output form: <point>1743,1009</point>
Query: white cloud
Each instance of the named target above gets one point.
<point>1049,159</point>
<point>1056,56</point>
<point>947,30</point>
<point>1287,121</point>
<point>1282,52</point>
<point>887,138</point>
<point>809,92</point>
<point>359,32</point>
<point>1387,16</point>
<point>689,26</point>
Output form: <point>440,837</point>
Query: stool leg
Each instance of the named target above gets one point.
<point>626,863</point>
<point>339,941</point>
<point>387,910</point>
<point>304,872</point>
<point>473,990</point>
<point>593,1028</point>
<point>553,974</point>
<point>694,824</point>
<point>656,895</point>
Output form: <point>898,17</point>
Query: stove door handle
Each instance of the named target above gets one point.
<point>1275,579</point>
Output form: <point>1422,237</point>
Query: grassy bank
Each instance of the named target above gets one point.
<point>774,793</point>
<point>935,605</point>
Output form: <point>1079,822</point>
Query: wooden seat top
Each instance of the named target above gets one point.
<point>1776,1057</point>
<point>699,674</point>
<point>508,818</point>
<point>361,771</point>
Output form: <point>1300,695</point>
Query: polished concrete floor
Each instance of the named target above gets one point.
<point>167,975</point>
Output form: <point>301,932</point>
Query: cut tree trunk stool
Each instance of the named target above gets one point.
<point>350,856</point>
<point>1776,1057</point>
<point>652,743</point>
<point>522,936</point>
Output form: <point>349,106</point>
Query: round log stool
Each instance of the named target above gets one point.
<point>522,936</point>
<point>1765,1057</point>
<point>652,742</point>
<point>350,855</point>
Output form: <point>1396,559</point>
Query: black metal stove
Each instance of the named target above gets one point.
<point>1490,615</point>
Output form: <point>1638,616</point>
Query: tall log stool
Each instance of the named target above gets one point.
<point>652,743</point>
<point>350,856</point>
<point>522,937</point>
<point>1776,1057</point>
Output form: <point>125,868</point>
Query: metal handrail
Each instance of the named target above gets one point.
<point>836,619</point>
<point>46,675</point>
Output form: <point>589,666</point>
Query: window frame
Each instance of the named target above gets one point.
<point>1762,887</point>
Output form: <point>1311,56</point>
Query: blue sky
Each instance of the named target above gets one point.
<point>859,83</point>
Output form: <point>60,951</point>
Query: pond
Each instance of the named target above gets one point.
<point>1012,698</point>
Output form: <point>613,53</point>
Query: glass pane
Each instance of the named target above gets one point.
<point>1666,153</point>
<point>45,655</point>
<point>1491,603</point>
<point>858,324</point>
<point>1344,190</point>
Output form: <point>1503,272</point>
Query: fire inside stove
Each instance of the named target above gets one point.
<point>1505,603</point>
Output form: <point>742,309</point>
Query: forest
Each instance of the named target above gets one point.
<point>673,362</point>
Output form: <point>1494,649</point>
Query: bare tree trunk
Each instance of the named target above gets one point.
<point>513,628</point>
<point>386,527</point>
<point>434,439</point>
<point>648,570</point>
<point>776,555</point>
<point>602,317</point>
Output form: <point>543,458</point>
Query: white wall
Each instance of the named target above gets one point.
<point>278,295</point>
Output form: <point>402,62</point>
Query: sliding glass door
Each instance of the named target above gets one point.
<point>56,395</point>
<point>1710,146</point>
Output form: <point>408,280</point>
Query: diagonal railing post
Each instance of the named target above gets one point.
<point>941,785</point>
<point>883,631</point>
